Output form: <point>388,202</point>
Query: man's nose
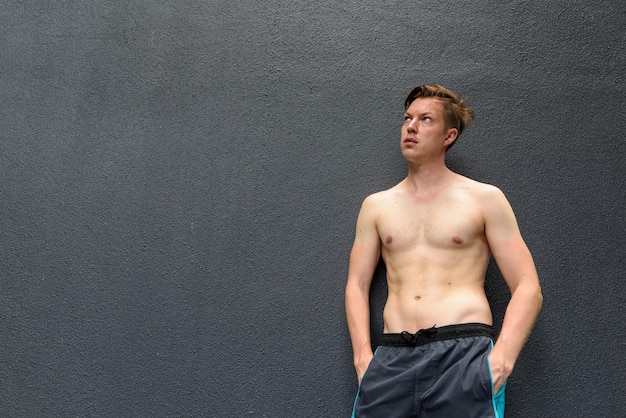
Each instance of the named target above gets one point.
<point>411,126</point>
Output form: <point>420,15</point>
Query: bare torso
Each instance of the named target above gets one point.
<point>436,255</point>
<point>436,231</point>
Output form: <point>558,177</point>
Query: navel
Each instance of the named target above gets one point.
<point>457,240</point>
<point>417,297</point>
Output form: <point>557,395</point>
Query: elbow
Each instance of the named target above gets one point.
<point>532,293</point>
<point>355,290</point>
<point>535,295</point>
<point>539,297</point>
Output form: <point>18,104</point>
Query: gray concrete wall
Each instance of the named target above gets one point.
<point>180,180</point>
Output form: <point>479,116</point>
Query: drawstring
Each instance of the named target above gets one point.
<point>412,338</point>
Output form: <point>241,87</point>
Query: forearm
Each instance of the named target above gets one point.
<point>358,317</point>
<point>519,320</point>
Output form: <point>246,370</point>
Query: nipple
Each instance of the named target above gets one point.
<point>389,239</point>
<point>457,240</point>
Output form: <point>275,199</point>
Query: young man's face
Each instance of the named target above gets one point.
<point>424,131</point>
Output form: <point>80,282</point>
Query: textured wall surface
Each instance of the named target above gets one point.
<point>179,183</point>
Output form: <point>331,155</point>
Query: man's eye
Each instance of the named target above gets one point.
<point>427,118</point>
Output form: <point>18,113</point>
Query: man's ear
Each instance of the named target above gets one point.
<point>453,133</point>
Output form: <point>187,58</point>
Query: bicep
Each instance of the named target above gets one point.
<point>506,243</point>
<point>366,248</point>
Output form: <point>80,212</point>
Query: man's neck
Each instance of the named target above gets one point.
<point>424,178</point>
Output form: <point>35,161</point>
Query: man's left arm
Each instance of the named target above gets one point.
<point>518,269</point>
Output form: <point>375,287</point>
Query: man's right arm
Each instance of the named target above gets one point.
<point>363,260</point>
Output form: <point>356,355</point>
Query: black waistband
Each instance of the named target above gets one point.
<point>430,335</point>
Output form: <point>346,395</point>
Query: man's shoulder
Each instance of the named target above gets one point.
<point>487,198</point>
<point>477,188</point>
<point>382,196</point>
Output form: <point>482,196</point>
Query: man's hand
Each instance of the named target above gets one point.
<point>499,371</point>
<point>362,366</point>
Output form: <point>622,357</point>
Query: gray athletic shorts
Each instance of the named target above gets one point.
<point>436,372</point>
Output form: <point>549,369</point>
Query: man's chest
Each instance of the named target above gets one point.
<point>450,223</point>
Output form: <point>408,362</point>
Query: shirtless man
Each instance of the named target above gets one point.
<point>435,231</point>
